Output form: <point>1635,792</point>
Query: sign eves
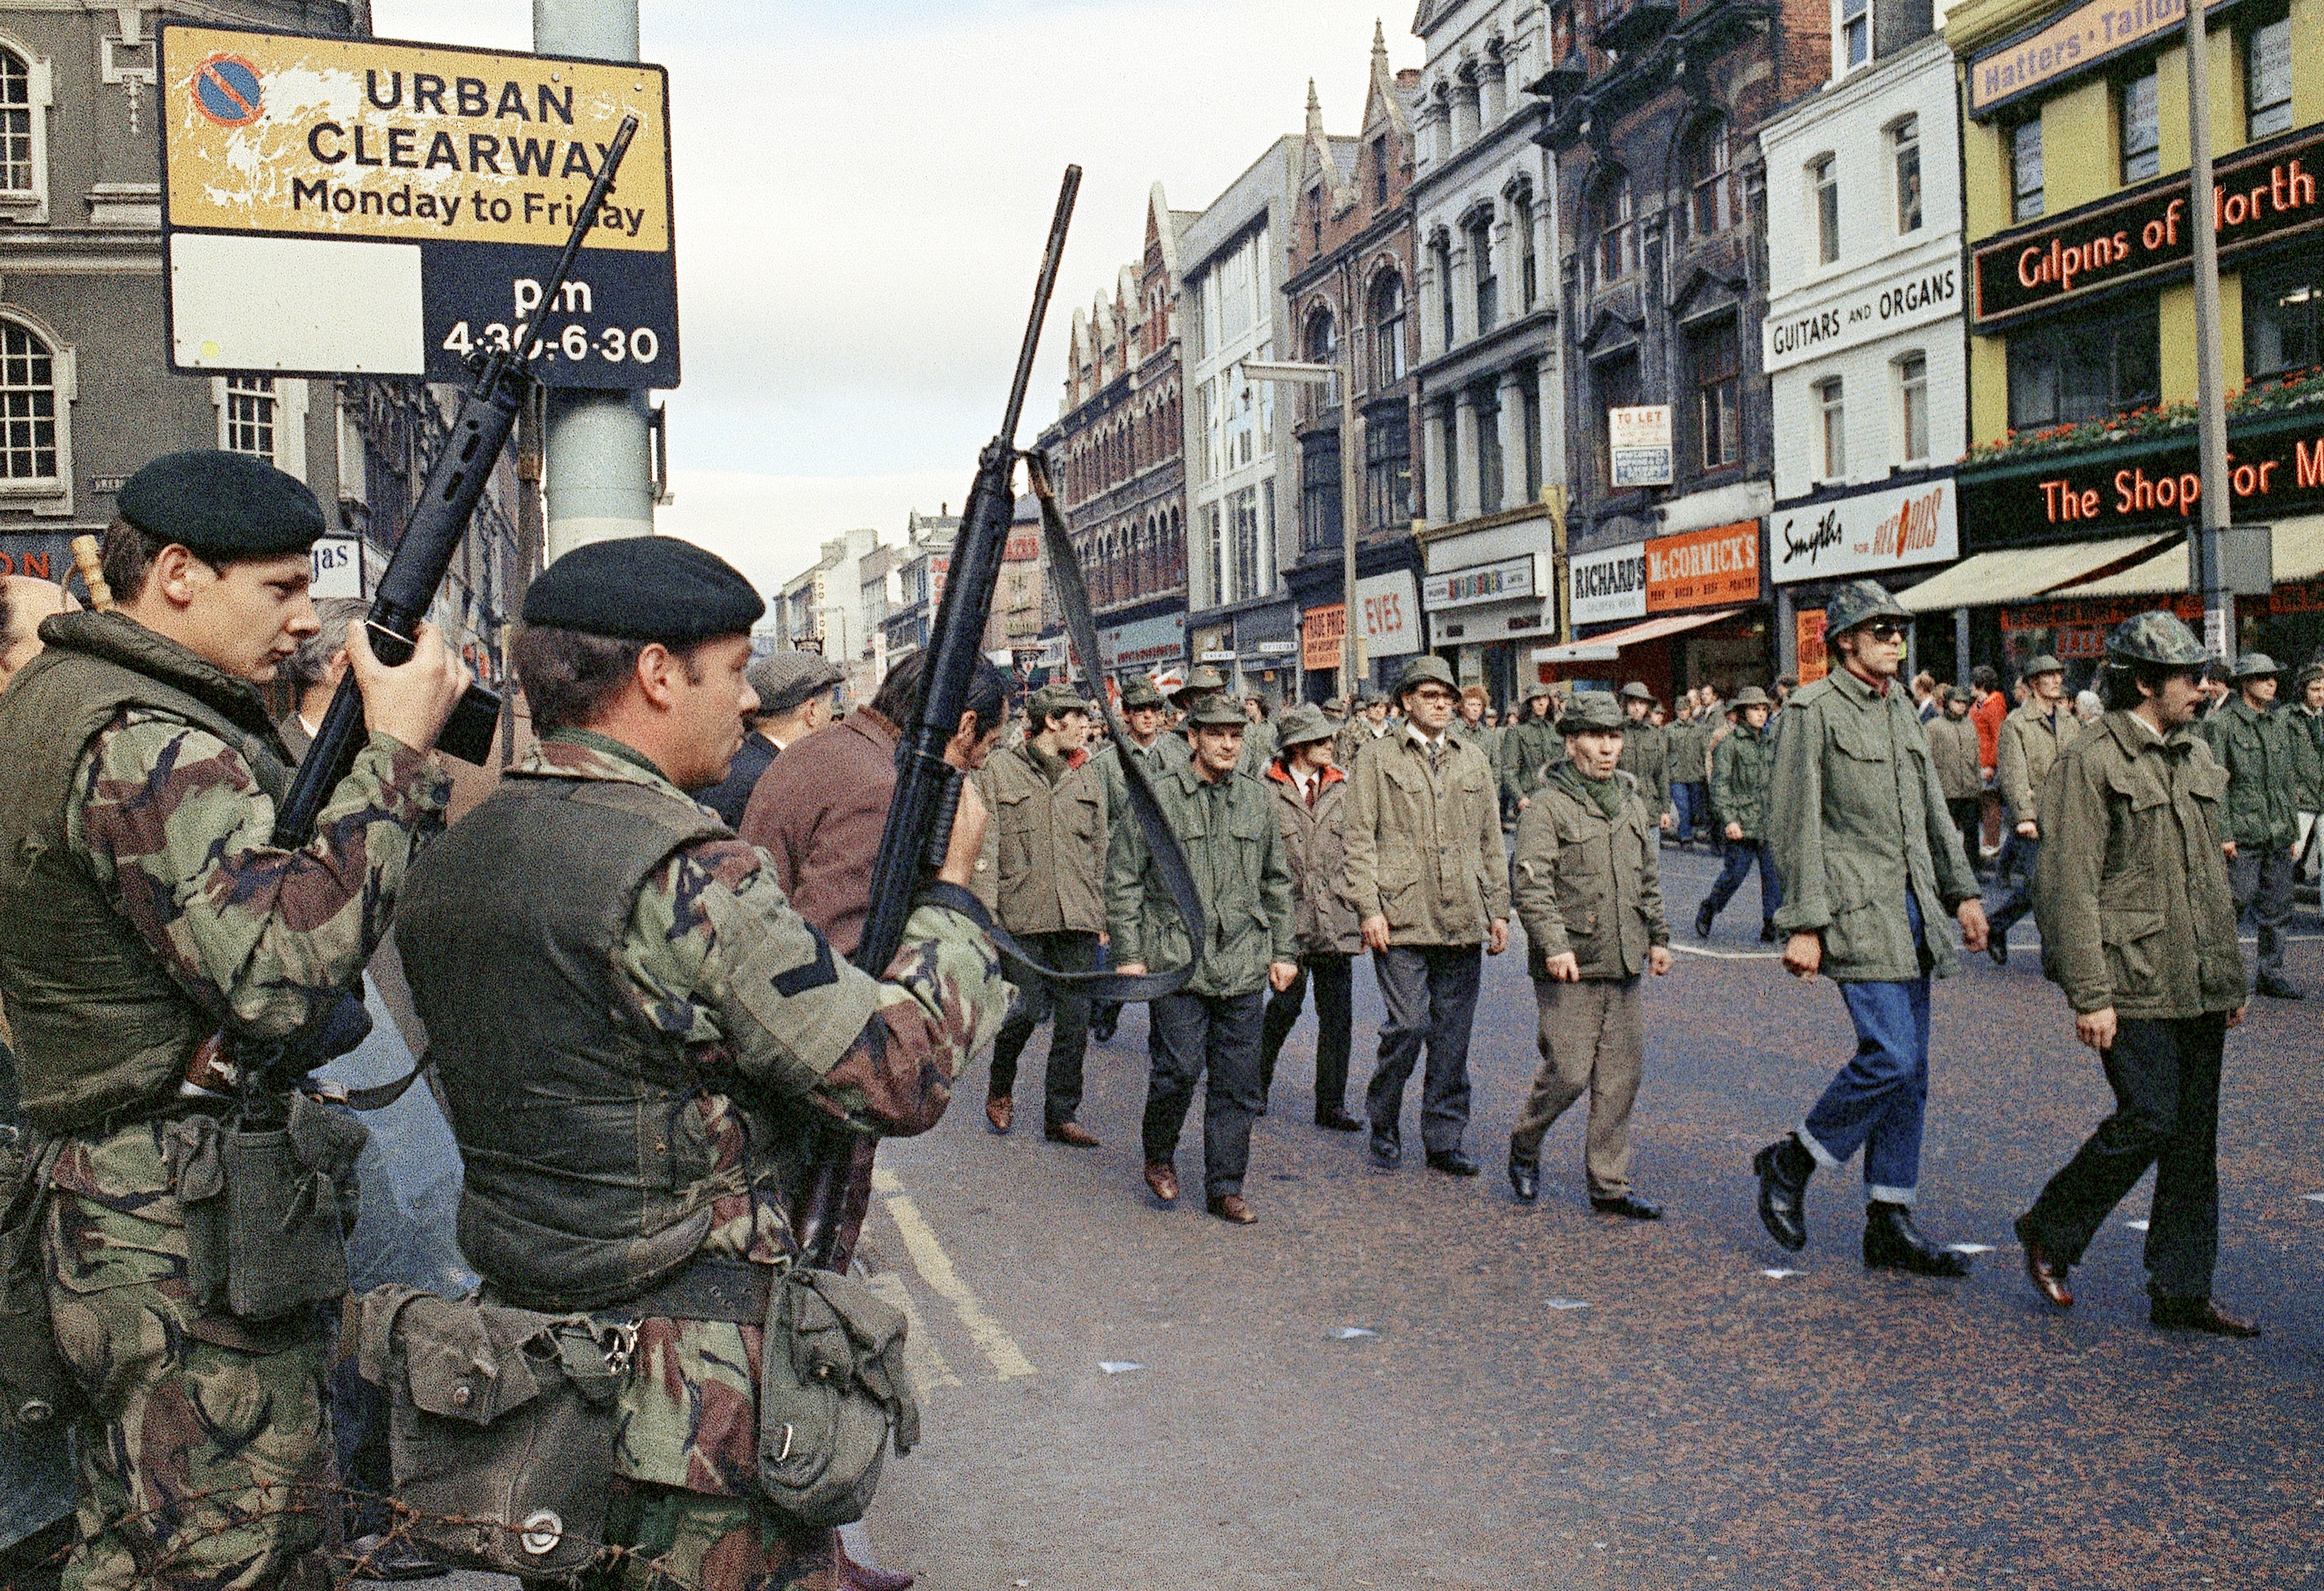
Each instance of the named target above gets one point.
<point>1899,528</point>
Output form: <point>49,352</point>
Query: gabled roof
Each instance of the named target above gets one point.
<point>1383,100</point>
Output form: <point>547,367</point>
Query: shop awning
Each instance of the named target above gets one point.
<point>2018,574</point>
<point>2298,556</point>
<point>1606,648</point>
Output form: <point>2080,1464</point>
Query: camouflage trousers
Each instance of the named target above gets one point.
<point>682,1541</point>
<point>203,1466</point>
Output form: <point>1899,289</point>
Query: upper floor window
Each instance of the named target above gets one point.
<point>2026,170</point>
<point>1912,406</point>
<point>1617,214</point>
<point>1855,33</point>
<point>2267,78</point>
<point>2090,368</point>
<point>28,405</point>
<point>1387,329</point>
<point>1441,257</point>
<point>2138,119</point>
<point>1710,172</point>
<point>1904,146</point>
<point>1528,259</point>
<point>1713,351</point>
<point>1823,192</point>
<point>1560,33</point>
<point>2283,316</point>
<point>1316,217</point>
<point>1382,155</point>
<point>1832,414</point>
<point>247,421</point>
<point>1480,267</point>
<point>16,167</point>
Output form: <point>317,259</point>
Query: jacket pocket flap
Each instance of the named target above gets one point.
<point>2139,791</point>
<point>465,1363</point>
<point>1859,743</point>
<point>2209,783</point>
<point>2127,928</point>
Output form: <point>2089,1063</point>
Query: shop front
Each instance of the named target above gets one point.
<point>1267,653</point>
<point>1390,606</point>
<point>1892,534</point>
<point>1707,617</point>
<point>1490,597</point>
<point>1151,646</point>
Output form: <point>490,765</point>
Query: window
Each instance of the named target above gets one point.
<point>1560,33</point>
<point>1617,228</point>
<point>2090,369</point>
<point>1487,402</point>
<point>1528,261</point>
<point>1382,155</point>
<point>1824,188</point>
<point>1322,348</point>
<point>1855,33</point>
<point>1832,410</point>
<point>1913,405</point>
<point>1234,296</point>
<point>1710,172</point>
<point>2138,117</point>
<point>2283,311</point>
<point>1387,329</point>
<point>1319,493</point>
<point>1904,143</point>
<point>1266,405</point>
<point>2267,78</point>
<point>1315,217</point>
<point>1440,258</point>
<point>28,405</point>
<point>1388,470</point>
<point>1250,578</point>
<point>248,419</point>
<point>1714,355</point>
<point>2026,170</point>
<point>17,168</point>
<point>1214,554</point>
<point>1616,383</point>
<point>1480,268</point>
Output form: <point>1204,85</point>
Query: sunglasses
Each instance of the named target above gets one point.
<point>1885,630</point>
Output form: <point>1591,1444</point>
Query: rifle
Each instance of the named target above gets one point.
<point>928,787</point>
<point>262,1074</point>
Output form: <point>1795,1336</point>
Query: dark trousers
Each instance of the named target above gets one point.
<point>1742,855</point>
<point>1431,995</point>
<point>1187,1036</point>
<point>2018,903</point>
<point>1334,979</point>
<point>2261,880</point>
<point>1969,817</point>
<point>1062,1078</point>
<point>2166,1087</point>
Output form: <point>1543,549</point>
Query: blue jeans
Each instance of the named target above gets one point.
<point>1879,1100</point>
<point>1691,802</point>
<point>1741,855</point>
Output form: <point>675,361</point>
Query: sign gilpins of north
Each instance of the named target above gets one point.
<point>365,206</point>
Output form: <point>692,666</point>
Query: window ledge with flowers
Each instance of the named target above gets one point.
<point>2268,397</point>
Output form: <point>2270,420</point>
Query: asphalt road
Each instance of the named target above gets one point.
<point>1116,1395</point>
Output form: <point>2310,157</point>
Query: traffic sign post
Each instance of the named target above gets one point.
<point>370,207</point>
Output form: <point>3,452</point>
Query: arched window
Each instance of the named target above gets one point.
<point>28,405</point>
<point>1440,258</point>
<point>1323,338</point>
<point>18,171</point>
<point>1711,179</point>
<point>1614,213</point>
<point>1387,329</point>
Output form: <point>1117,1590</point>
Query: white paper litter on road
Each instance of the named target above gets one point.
<point>2313,1197</point>
<point>1970,1248</point>
<point>1777,1272</point>
<point>1569,1303</point>
<point>1116,1366</point>
<point>1348,1333</point>
<point>2135,1225</point>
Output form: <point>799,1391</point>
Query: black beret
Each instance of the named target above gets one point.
<point>222,503</point>
<point>643,588</point>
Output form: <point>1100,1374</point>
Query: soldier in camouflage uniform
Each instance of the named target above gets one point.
<point>143,908</point>
<point>632,1088</point>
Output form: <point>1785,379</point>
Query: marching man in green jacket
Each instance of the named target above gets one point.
<point>2138,928</point>
<point>2255,744</point>
<point>1225,822</point>
<point>1739,772</point>
<point>1528,746</point>
<point>1862,841</point>
<point>2031,738</point>
<point>1589,891</point>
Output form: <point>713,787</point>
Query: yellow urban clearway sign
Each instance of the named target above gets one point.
<point>285,134</point>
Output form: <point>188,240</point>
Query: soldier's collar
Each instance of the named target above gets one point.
<point>584,754</point>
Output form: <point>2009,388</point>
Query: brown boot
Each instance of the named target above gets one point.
<point>1162,1177</point>
<point>1001,1110</point>
<point>863,1576</point>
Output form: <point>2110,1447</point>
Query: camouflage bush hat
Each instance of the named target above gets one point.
<point>784,679</point>
<point>1216,710</point>
<point>1056,697</point>
<point>2042,662</point>
<point>2255,665</point>
<point>1751,696</point>
<point>1301,723</point>
<point>1422,671</point>
<point>1859,602</point>
<point>1636,691</point>
<point>2156,637</point>
<point>2314,671</point>
<point>1591,710</point>
<point>1141,692</point>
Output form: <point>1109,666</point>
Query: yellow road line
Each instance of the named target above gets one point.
<point>936,1268</point>
<point>922,1358</point>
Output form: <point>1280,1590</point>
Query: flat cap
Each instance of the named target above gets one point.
<point>1591,710</point>
<point>1056,697</point>
<point>2255,665</point>
<point>1426,669</point>
<point>1751,696</point>
<point>1216,710</point>
<point>643,588</point>
<point>2042,662</point>
<point>222,503</point>
<point>1860,602</point>
<point>1636,691</point>
<point>2156,636</point>
<point>784,679</point>
<point>1302,723</point>
<point>1141,691</point>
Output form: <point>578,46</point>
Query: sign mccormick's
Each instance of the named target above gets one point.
<point>2259,196</point>
<point>1898,528</point>
<point>1703,568</point>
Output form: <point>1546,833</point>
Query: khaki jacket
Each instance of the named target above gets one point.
<point>1043,865</point>
<point>2263,769</point>
<point>1424,848</point>
<point>1315,848</point>
<point>2307,747</point>
<point>1854,819</point>
<point>1588,884</point>
<point>1688,743</point>
<point>2030,744</point>
<point>1739,771</point>
<point>1528,750</point>
<point>1234,849</point>
<point>1952,742</point>
<point>2131,891</point>
<point>1645,757</point>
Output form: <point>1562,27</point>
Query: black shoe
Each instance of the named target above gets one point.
<point>2275,988</point>
<point>2199,1315</point>
<point>1629,1204</point>
<point>1262,1110</point>
<point>1101,1025</point>
<point>1337,1120</point>
<point>1892,1242</point>
<point>1388,1146</point>
<point>1784,1168</point>
<point>1702,920</point>
<point>1452,1162</point>
<point>1767,932</point>
<point>1996,945</point>
<point>1524,1177</point>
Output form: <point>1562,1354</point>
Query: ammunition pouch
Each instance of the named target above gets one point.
<point>831,1393</point>
<point>501,1430</point>
<point>37,1389</point>
<point>267,1210</point>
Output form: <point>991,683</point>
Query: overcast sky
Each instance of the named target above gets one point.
<point>862,192</point>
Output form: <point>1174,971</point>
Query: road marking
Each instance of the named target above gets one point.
<point>2135,1225</point>
<point>1777,1272</point>
<point>2313,1197</point>
<point>923,1360</point>
<point>1119,1366</point>
<point>1350,1333</point>
<point>884,1180</point>
<point>1970,1248</point>
<point>1726,955</point>
<point>1568,1303</point>
<point>936,1268</point>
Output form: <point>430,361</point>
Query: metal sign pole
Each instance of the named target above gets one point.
<point>1350,498</point>
<point>2209,571</point>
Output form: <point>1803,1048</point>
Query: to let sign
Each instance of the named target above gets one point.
<point>335,205</point>
<point>1638,446</point>
<point>1703,568</point>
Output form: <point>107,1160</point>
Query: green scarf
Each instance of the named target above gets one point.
<point>1607,793</point>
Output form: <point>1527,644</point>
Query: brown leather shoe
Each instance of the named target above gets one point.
<point>1230,1207</point>
<point>1162,1177</point>
<point>863,1576</point>
<point>2199,1315</point>
<point>2047,1275</point>
<point>1001,1110</point>
<point>1071,1132</point>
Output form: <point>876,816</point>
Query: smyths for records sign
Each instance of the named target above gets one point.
<point>1899,528</point>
